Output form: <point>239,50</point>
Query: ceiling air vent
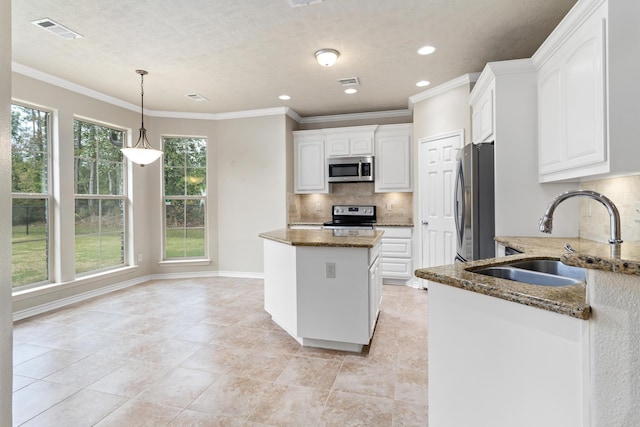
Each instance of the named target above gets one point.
<point>57,29</point>
<point>195,97</point>
<point>298,3</point>
<point>349,81</point>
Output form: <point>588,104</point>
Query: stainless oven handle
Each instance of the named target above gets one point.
<point>360,169</point>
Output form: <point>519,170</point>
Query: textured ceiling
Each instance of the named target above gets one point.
<point>242,54</point>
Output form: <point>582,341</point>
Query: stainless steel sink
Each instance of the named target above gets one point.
<point>536,272</point>
<point>552,266</point>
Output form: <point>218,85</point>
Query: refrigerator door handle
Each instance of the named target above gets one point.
<point>459,202</point>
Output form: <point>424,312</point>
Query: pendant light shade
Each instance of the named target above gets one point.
<point>142,152</point>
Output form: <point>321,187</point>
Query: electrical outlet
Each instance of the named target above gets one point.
<point>140,257</point>
<point>318,207</point>
<point>636,211</point>
<point>330,270</point>
<point>389,206</point>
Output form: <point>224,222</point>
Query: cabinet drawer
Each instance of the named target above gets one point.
<point>396,268</point>
<point>396,232</point>
<point>396,248</point>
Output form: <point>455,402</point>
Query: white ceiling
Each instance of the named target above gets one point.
<point>242,54</point>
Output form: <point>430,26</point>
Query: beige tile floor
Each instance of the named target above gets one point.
<point>203,352</point>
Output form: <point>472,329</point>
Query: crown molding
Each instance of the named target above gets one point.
<point>356,116</point>
<point>82,90</point>
<point>465,79</point>
<point>73,87</point>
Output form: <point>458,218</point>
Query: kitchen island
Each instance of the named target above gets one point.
<point>323,287</point>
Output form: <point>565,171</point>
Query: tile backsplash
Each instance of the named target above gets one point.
<point>625,194</point>
<point>316,208</point>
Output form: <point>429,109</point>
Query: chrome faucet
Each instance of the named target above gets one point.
<point>546,222</point>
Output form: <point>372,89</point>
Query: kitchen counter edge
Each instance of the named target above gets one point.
<point>323,238</point>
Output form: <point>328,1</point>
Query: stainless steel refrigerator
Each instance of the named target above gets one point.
<point>474,206</point>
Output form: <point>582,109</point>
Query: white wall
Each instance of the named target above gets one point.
<point>252,188</point>
<point>6,324</point>
<point>445,111</point>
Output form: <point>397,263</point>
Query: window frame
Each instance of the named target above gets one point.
<point>123,197</point>
<point>185,259</point>
<point>48,197</point>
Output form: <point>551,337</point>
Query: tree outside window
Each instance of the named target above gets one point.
<point>30,138</point>
<point>185,197</point>
<point>99,197</point>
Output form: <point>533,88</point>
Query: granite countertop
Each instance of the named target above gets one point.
<point>326,238</point>
<point>385,223</point>
<point>566,300</point>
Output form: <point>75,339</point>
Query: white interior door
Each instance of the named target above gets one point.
<point>437,178</point>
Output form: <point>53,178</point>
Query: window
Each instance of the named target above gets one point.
<point>99,197</point>
<point>30,137</point>
<point>185,195</point>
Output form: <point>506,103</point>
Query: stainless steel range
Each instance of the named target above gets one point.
<point>352,217</point>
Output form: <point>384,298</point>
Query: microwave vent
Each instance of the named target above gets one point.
<point>349,81</point>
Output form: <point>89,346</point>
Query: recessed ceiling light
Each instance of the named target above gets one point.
<point>351,91</point>
<point>284,97</point>
<point>423,83</point>
<point>57,29</point>
<point>426,50</point>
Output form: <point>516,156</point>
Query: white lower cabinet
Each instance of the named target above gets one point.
<point>502,364</point>
<point>396,254</point>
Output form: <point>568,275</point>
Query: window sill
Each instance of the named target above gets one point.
<point>52,287</point>
<point>190,262</point>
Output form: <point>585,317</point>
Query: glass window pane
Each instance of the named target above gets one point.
<point>196,152</point>
<point>29,150</point>
<point>194,242</point>
<point>98,159</point>
<point>174,155</point>
<point>196,181</point>
<point>30,241</point>
<point>99,234</point>
<point>110,177</point>
<point>174,182</point>
<point>175,243</point>
<point>194,213</point>
<point>174,213</point>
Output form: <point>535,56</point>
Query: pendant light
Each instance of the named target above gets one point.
<point>142,153</point>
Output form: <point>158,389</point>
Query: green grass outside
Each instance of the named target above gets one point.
<point>29,252</point>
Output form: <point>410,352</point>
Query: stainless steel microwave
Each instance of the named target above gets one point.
<point>350,169</point>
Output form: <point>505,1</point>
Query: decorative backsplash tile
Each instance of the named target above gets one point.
<point>390,207</point>
<point>594,218</point>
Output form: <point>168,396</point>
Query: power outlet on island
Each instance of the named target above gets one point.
<point>330,270</point>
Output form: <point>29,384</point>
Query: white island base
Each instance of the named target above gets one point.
<point>316,309</point>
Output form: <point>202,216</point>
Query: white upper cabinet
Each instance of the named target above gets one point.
<point>482,117</point>
<point>587,78</point>
<point>309,168</point>
<point>393,171</point>
<point>350,141</point>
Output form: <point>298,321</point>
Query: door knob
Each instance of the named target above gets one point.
<point>425,222</point>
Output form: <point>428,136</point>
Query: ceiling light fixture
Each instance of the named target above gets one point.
<point>327,57</point>
<point>284,97</point>
<point>423,83</point>
<point>350,91</point>
<point>426,50</point>
<point>142,153</point>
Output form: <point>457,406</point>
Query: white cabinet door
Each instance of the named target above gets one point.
<point>393,163</point>
<point>350,141</point>
<point>310,172</point>
<point>572,120</point>
<point>482,115</point>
